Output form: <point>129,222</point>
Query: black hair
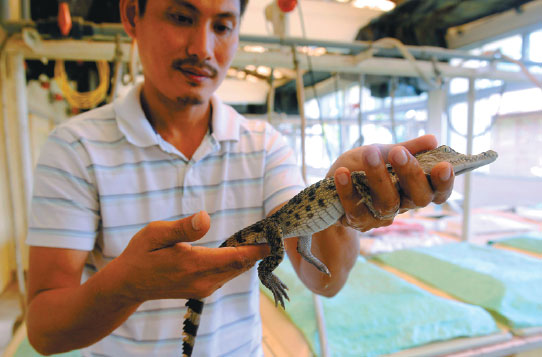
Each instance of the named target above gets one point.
<point>143,4</point>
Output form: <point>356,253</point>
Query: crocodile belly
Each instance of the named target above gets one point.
<point>312,218</point>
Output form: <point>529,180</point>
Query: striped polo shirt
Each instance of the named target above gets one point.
<point>105,174</point>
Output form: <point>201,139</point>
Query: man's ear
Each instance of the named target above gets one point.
<point>129,10</point>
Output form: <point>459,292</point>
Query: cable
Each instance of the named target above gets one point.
<point>313,85</point>
<point>493,118</point>
<point>85,100</point>
<point>408,56</point>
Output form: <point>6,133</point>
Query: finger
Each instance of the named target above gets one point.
<point>384,195</point>
<point>442,179</point>
<point>412,179</point>
<point>349,199</point>
<point>231,259</point>
<point>163,234</point>
<point>422,143</point>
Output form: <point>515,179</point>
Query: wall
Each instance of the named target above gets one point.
<point>323,20</point>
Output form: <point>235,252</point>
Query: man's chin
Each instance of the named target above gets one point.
<point>190,100</point>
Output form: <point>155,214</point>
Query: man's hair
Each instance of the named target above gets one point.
<point>143,4</point>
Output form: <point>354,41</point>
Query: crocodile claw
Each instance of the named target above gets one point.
<point>278,288</point>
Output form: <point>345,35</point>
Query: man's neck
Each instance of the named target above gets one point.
<point>183,125</point>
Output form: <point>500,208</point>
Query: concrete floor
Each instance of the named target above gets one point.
<point>10,314</point>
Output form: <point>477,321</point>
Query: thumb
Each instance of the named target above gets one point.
<point>189,229</point>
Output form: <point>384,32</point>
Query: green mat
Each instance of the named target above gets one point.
<point>529,242</point>
<point>508,284</point>
<point>378,313</point>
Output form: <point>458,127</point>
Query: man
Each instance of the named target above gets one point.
<point>127,183</point>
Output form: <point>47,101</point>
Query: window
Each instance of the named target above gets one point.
<point>535,50</point>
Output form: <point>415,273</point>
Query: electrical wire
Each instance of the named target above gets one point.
<point>83,100</point>
<point>313,85</point>
<point>491,124</point>
<point>389,41</point>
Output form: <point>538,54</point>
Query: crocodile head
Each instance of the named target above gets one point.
<point>461,163</point>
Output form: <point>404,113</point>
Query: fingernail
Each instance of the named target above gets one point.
<point>372,157</point>
<point>196,222</point>
<point>445,174</point>
<point>342,178</point>
<point>400,157</point>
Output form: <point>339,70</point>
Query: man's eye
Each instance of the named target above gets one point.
<point>182,19</point>
<point>220,28</point>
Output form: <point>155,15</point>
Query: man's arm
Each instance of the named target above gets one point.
<point>338,246</point>
<point>157,264</point>
<point>64,315</point>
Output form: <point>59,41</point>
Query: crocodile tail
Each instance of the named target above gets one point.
<point>190,325</point>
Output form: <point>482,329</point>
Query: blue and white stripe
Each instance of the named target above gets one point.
<point>106,174</point>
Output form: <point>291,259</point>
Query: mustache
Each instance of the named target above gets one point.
<point>195,63</point>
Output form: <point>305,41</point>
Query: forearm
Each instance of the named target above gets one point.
<point>338,248</point>
<point>64,319</point>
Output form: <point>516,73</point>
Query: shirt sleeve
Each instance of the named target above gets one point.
<point>282,178</point>
<point>64,210</point>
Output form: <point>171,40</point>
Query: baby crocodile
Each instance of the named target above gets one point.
<point>312,210</point>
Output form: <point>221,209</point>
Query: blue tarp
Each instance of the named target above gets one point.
<point>378,313</point>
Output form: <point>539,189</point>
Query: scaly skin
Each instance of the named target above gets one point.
<point>312,210</point>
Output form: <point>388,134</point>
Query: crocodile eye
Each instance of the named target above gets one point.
<point>447,149</point>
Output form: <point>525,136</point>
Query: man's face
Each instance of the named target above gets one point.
<point>186,46</point>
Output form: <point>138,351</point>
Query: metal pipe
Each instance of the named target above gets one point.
<point>467,197</point>
<point>25,10</point>
<point>110,31</point>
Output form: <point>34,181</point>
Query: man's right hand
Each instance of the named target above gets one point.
<point>158,263</point>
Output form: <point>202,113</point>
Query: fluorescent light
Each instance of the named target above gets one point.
<point>263,70</point>
<point>256,49</point>
<point>383,5</point>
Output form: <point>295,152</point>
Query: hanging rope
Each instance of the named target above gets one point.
<point>84,100</point>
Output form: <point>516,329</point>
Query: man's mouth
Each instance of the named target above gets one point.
<point>197,72</point>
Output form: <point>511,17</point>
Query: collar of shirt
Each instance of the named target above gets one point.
<point>138,131</point>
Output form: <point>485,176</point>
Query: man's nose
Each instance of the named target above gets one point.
<point>200,43</point>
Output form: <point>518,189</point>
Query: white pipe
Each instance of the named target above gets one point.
<point>300,89</point>
<point>17,231</point>
<point>108,31</point>
<point>23,128</point>
<point>94,50</point>
<point>467,197</point>
<point>271,96</point>
<point>394,67</point>
<point>321,324</point>
<point>393,88</point>
<point>24,146</point>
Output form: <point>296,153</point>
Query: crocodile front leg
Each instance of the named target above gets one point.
<point>273,233</point>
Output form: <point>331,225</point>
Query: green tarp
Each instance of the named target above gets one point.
<point>529,242</point>
<point>508,284</point>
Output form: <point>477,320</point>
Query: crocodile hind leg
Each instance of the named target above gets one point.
<point>273,233</point>
<point>304,248</point>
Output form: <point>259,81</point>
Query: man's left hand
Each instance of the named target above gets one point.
<point>416,190</point>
